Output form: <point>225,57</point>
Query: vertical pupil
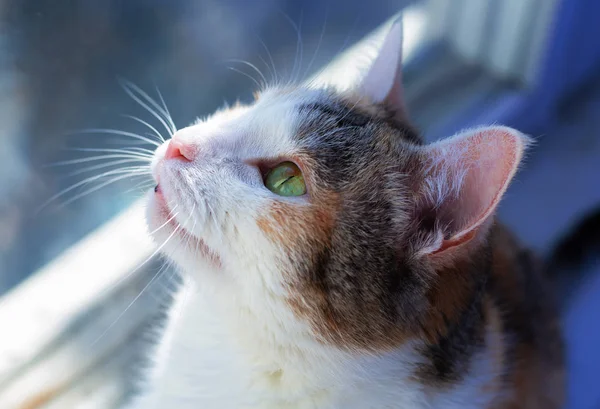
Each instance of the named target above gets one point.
<point>286,180</point>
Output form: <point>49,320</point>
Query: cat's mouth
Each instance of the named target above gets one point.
<point>187,238</point>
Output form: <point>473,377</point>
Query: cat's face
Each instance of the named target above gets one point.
<point>356,172</point>
<point>329,203</point>
<point>215,187</point>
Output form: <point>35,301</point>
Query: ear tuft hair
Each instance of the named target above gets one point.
<point>465,178</point>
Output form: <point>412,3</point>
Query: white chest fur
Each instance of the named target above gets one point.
<point>205,362</point>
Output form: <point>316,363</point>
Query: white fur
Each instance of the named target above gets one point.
<point>218,357</point>
<point>232,341</point>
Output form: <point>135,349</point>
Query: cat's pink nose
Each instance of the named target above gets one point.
<point>179,150</point>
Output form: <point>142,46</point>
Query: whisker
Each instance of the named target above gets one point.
<point>150,134</point>
<point>165,223</point>
<point>153,129</point>
<point>102,166</point>
<point>96,158</point>
<point>141,187</point>
<point>88,180</point>
<point>126,151</point>
<point>246,75</point>
<point>264,80</point>
<point>144,150</point>
<point>104,184</point>
<point>271,75</point>
<point>159,109</point>
<point>130,273</point>
<point>169,117</point>
<point>127,142</point>
<point>159,114</point>
<point>179,227</point>
<point>275,77</point>
<point>157,275</point>
<point>115,132</point>
<point>130,152</point>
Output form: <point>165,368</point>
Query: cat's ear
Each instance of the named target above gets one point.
<point>382,83</point>
<point>464,179</point>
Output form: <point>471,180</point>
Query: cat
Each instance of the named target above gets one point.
<point>332,259</point>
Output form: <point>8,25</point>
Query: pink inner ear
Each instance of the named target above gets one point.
<point>469,173</point>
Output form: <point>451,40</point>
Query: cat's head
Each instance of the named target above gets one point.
<point>332,203</point>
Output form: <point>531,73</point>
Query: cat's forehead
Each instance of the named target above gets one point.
<point>285,121</point>
<point>283,114</point>
<point>268,127</point>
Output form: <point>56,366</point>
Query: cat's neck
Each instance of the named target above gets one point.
<point>215,341</point>
<point>234,353</point>
<point>261,326</point>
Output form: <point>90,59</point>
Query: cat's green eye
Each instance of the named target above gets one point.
<point>286,180</point>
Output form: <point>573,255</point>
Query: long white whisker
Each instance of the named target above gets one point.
<point>88,180</point>
<point>127,142</point>
<point>267,67</point>
<point>129,274</point>
<point>246,75</point>
<point>120,280</point>
<point>104,165</point>
<point>96,158</point>
<point>254,67</point>
<point>168,114</point>
<point>100,186</point>
<point>159,114</point>
<point>148,98</point>
<point>179,227</point>
<point>116,132</point>
<point>131,303</point>
<point>165,223</point>
<point>153,129</point>
<point>144,150</point>
<point>130,152</point>
<point>142,186</point>
<point>150,134</point>
<point>150,110</point>
<point>274,75</point>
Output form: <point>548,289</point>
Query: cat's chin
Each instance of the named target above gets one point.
<point>174,241</point>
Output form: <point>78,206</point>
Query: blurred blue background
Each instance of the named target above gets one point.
<point>530,64</point>
<point>60,62</point>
